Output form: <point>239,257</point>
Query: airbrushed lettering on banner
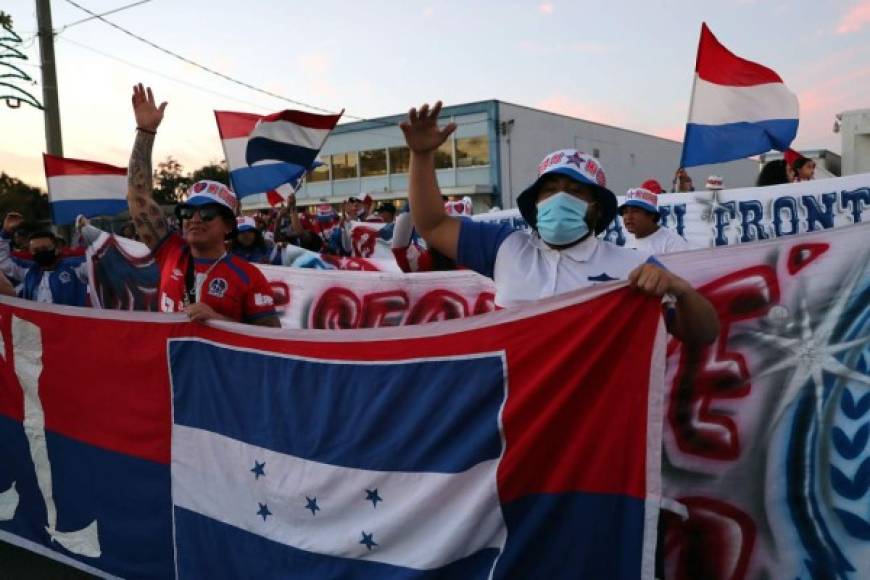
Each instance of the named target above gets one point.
<point>738,216</point>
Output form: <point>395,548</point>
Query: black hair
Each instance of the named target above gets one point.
<point>387,207</point>
<point>800,162</point>
<point>773,173</point>
<point>259,240</point>
<point>42,234</point>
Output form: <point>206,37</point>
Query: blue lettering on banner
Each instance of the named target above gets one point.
<point>857,199</point>
<point>751,213</point>
<point>679,213</point>
<point>785,203</point>
<point>815,213</point>
<point>723,215</point>
<point>614,232</point>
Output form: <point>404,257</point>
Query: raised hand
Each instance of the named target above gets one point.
<point>148,113</point>
<point>421,130</point>
<point>12,221</point>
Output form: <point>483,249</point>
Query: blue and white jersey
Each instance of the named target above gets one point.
<point>525,268</point>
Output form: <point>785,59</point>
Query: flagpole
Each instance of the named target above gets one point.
<point>691,98</point>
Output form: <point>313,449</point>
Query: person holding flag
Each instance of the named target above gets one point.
<point>197,275</point>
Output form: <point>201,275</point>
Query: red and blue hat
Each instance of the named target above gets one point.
<point>642,198</point>
<point>204,192</point>
<point>580,167</point>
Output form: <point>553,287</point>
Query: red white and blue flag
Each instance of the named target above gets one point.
<point>739,108</point>
<point>77,187</point>
<point>475,448</point>
<point>270,154</point>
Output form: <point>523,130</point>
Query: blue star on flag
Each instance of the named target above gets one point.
<point>258,469</point>
<point>372,496</point>
<point>368,540</point>
<point>312,505</point>
<point>264,511</point>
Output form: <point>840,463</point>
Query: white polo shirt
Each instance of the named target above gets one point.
<point>662,241</point>
<point>525,268</point>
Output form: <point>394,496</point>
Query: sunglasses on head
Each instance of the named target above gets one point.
<point>206,212</point>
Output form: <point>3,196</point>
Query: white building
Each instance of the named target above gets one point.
<point>493,155</point>
<point>854,129</point>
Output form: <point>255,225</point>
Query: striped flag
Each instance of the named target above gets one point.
<point>739,108</point>
<point>83,187</point>
<point>268,153</point>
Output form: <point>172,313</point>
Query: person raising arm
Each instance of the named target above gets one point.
<point>567,207</point>
<point>197,275</point>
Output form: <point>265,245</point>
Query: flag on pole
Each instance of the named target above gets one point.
<point>269,155</point>
<point>738,108</point>
<point>78,187</point>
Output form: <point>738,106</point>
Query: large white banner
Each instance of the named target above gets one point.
<point>737,216</point>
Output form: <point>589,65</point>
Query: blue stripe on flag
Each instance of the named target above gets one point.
<point>377,416</point>
<point>573,535</point>
<point>719,143</point>
<point>247,555</point>
<point>262,178</point>
<point>263,149</point>
<point>66,212</point>
<point>130,499</point>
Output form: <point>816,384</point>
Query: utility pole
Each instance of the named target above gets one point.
<point>53,140</point>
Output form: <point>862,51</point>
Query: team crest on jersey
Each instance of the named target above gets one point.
<point>176,274</point>
<point>217,287</point>
<point>64,277</point>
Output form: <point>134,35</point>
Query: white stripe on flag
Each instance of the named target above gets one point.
<point>291,133</point>
<point>87,187</point>
<point>425,521</point>
<point>719,105</point>
<point>234,150</point>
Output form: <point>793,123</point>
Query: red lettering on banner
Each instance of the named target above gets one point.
<point>485,303</point>
<point>384,309</point>
<point>714,543</point>
<point>363,241</point>
<point>712,372</point>
<point>438,305</point>
<point>337,308</point>
<point>281,293</point>
<point>802,254</point>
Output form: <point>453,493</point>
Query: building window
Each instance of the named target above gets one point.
<point>400,160</point>
<point>444,155</point>
<point>344,165</point>
<point>472,151</point>
<point>320,173</point>
<point>373,162</point>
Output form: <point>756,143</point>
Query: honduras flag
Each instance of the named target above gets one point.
<point>265,153</point>
<point>739,108</point>
<point>452,452</point>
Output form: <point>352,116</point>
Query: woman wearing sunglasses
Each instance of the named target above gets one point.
<point>197,275</point>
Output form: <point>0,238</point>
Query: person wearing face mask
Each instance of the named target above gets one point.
<point>567,206</point>
<point>48,277</point>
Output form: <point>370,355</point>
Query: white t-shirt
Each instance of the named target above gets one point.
<point>525,268</point>
<point>662,241</point>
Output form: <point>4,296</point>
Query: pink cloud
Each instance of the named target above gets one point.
<point>855,18</point>
<point>564,105</point>
<point>546,7</point>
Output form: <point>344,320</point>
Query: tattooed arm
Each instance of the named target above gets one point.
<point>147,216</point>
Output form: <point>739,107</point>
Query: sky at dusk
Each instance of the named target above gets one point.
<point>628,64</point>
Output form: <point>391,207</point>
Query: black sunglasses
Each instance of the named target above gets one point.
<point>206,212</point>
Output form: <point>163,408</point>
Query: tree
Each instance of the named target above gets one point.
<point>8,71</point>
<point>170,181</point>
<point>213,171</point>
<point>15,195</point>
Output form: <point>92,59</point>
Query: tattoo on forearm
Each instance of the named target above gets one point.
<point>139,170</point>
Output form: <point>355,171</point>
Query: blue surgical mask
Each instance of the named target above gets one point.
<point>562,219</point>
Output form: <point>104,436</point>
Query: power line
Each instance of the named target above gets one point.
<point>65,26</point>
<point>208,69</point>
<point>160,74</point>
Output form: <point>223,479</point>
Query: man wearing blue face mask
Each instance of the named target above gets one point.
<point>567,206</point>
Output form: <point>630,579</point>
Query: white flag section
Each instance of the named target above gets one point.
<point>212,475</point>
